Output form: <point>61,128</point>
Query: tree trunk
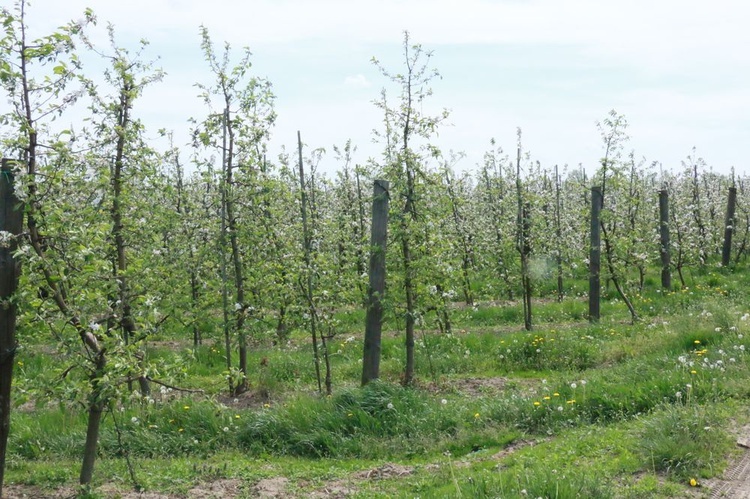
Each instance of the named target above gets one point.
<point>409,286</point>
<point>522,243</point>
<point>308,290</point>
<point>410,311</point>
<point>96,408</point>
<point>665,251</point>
<point>595,255</point>
<point>726,250</point>
<point>239,277</point>
<point>558,234</point>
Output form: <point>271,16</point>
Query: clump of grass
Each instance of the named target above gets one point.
<point>349,423</point>
<point>685,441</point>
<point>540,352</point>
<point>532,483</point>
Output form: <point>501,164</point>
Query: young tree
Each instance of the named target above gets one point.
<point>406,135</point>
<point>611,177</point>
<point>239,131</point>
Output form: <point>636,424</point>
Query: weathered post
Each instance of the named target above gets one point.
<point>726,250</point>
<point>11,220</point>
<point>558,236</point>
<point>525,252</point>
<point>376,289</point>
<point>595,254</point>
<point>666,276</point>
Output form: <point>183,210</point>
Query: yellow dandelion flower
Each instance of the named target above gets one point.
<point>186,407</point>
<point>537,403</point>
<point>693,372</point>
<point>555,394</point>
<point>546,397</point>
<point>693,482</point>
<point>476,416</point>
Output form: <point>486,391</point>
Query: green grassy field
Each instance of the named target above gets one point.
<point>568,410</point>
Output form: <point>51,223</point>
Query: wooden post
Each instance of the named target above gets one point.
<point>376,289</point>
<point>11,221</point>
<point>558,235</point>
<point>525,252</point>
<point>666,276</point>
<point>726,250</point>
<point>595,254</point>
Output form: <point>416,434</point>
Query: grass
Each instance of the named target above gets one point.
<point>567,410</point>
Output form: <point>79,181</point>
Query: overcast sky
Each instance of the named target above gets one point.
<point>678,70</point>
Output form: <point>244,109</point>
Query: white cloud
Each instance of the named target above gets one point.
<point>357,81</point>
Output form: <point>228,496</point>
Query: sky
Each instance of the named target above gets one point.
<point>677,70</point>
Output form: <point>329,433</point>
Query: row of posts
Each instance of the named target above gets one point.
<point>665,256</point>
<point>376,290</point>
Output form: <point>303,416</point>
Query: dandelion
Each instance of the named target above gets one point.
<point>555,394</point>
<point>187,407</point>
<point>390,405</point>
<point>20,363</point>
<point>573,386</point>
<point>236,416</point>
<point>560,408</point>
<point>537,403</point>
<point>476,416</point>
<point>134,420</point>
<point>443,402</point>
<point>678,395</point>
<point>693,372</point>
<point>693,482</point>
<point>226,429</point>
<point>697,342</point>
<point>546,397</point>
<point>181,430</point>
<point>572,401</point>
